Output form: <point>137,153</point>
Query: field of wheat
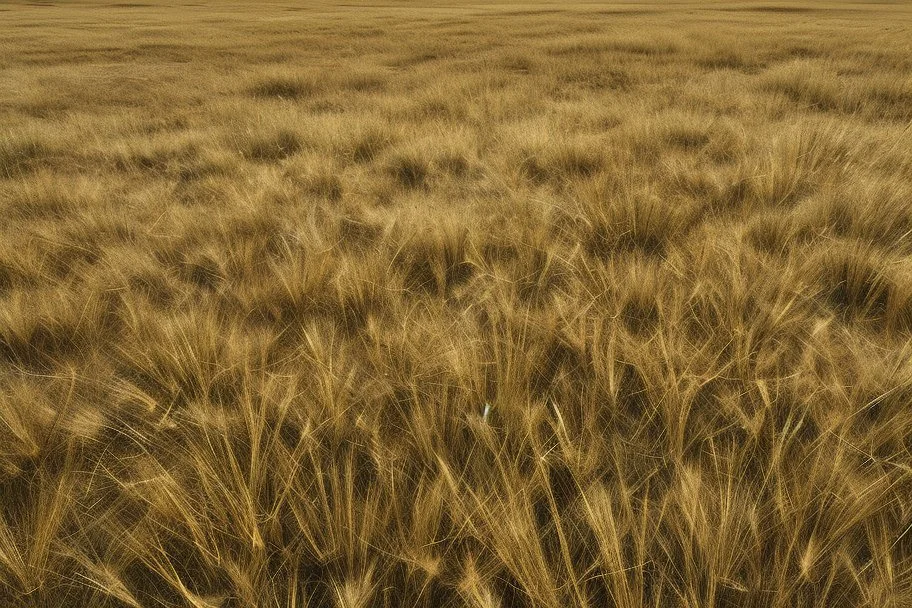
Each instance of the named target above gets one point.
<point>451,304</point>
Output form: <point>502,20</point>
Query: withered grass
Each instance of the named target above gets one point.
<point>455,305</point>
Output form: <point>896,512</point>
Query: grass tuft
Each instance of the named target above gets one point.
<point>290,87</point>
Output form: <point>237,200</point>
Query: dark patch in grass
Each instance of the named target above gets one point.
<point>7,278</point>
<point>419,58</point>
<point>283,88</point>
<point>511,591</point>
<point>368,145</point>
<point>434,263</point>
<point>854,285</point>
<point>273,148</point>
<point>409,171</point>
<point>557,359</point>
<point>533,169</point>
<point>626,12</point>
<point>354,307</point>
<point>640,314</point>
<point>724,60</point>
<point>20,155</point>
<point>201,276</point>
<point>324,182</point>
<point>41,346</point>
<point>358,234</point>
<point>770,233</point>
<point>561,163</point>
<point>640,224</point>
<point>687,139</point>
<point>775,9</point>
<point>47,206</point>
<point>576,162</point>
<point>70,257</point>
<point>521,13</point>
<point>644,48</point>
<point>419,275</point>
<point>536,276</point>
<point>191,565</point>
<point>563,486</point>
<point>857,291</point>
<point>803,52</point>
<point>602,79</point>
<point>365,83</point>
<point>453,163</point>
<point>154,287</point>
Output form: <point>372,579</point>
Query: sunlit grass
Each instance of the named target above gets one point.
<point>515,305</point>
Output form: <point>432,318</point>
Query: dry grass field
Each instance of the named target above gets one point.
<point>418,304</point>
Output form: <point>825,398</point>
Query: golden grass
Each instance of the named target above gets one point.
<point>448,304</point>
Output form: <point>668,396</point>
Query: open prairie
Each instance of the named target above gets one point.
<point>450,304</point>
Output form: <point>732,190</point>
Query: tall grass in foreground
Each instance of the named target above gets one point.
<point>516,306</point>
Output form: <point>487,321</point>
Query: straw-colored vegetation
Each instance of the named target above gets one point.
<point>416,305</point>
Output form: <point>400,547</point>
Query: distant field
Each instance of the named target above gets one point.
<point>514,305</point>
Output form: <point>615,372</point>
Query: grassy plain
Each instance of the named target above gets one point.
<point>264,265</point>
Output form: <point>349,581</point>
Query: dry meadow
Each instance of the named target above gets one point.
<point>430,305</point>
